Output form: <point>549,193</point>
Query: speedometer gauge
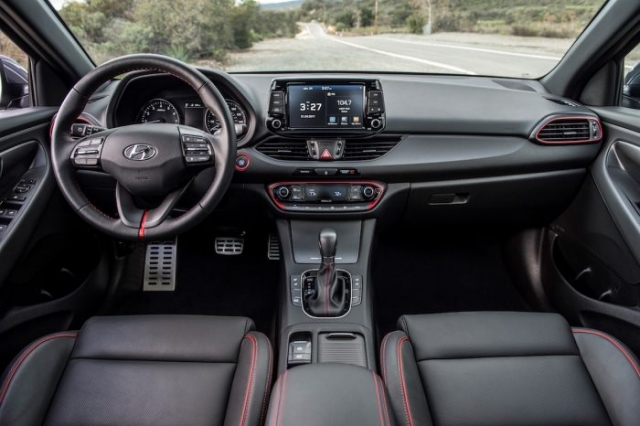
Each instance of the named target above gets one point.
<point>158,111</point>
<point>212,123</point>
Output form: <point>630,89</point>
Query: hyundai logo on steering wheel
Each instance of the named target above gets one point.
<point>140,152</point>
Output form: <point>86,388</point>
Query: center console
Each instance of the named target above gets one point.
<point>326,222</point>
<point>326,218</point>
<point>326,306</point>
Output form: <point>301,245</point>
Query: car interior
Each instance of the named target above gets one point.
<point>436,249</point>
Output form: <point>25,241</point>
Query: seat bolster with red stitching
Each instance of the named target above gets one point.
<point>30,381</point>
<point>506,368</point>
<point>615,372</point>
<point>249,397</point>
<point>400,373</point>
<point>144,370</point>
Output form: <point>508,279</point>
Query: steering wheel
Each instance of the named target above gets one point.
<point>153,164</point>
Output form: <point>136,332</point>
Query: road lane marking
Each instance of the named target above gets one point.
<point>475,49</point>
<point>405,57</point>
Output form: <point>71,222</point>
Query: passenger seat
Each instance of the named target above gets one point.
<point>507,368</point>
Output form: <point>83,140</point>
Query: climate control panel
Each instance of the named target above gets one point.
<point>326,196</point>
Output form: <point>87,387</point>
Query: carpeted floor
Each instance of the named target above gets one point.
<point>211,284</point>
<point>440,274</point>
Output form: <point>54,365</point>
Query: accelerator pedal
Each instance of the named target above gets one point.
<point>160,266</point>
<point>273,250</point>
<point>229,246</point>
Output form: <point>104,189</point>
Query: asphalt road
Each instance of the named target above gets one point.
<point>470,54</point>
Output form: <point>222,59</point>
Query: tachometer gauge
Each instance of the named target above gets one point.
<point>158,111</point>
<point>212,123</point>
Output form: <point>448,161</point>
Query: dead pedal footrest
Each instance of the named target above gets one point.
<point>160,266</point>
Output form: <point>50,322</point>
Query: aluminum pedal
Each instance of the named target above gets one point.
<point>229,246</point>
<point>273,249</point>
<point>160,266</point>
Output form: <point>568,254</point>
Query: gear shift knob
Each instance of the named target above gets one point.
<point>328,243</point>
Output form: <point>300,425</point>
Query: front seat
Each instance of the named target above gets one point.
<point>142,370</point>
<point>504,368</point>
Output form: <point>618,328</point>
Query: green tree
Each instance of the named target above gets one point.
<point>415,23</point>
<point>366,17</point>
<point>243,19</point>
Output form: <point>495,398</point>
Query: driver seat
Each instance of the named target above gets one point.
<point>142,370</point>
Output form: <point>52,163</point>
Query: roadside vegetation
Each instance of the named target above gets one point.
<point>206,31</point>
<point>540,18</point>
<point>190,30</point>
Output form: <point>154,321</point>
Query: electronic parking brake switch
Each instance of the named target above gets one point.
<point>299,352</point>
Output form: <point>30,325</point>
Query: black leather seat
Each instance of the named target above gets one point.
<point>507,368</point>
<point>142,370</point>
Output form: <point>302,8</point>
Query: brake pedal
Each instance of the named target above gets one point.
<point>160,266</point>
<point>229,246</point>
<point>273,249</point>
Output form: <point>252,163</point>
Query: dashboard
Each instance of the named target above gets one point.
<point>418,148</point>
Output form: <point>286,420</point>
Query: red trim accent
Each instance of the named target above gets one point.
<point>370,206</point>
<point>242,169</point>
<point>383,356</point>
<point>274,413</point>
<point>143,224</point>
<point>250,383</point>
<point>283,393</point>
<point>25,354</point>
<point>375,385</point>
<point>403,387</point>
<point>614,342</point>
<point>385,407</point>
<point>568,141</point>
<point>267,390</point>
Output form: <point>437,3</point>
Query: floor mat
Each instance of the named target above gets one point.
<point>211,284</point>
<point>443,274</point>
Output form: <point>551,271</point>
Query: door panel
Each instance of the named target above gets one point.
<point>591,253</point>
<point>54,269</point>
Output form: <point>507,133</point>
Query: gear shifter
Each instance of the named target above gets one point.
<point>330,298</point>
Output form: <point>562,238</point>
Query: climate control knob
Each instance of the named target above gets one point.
<point>368,192</point>
<point>282,192</point>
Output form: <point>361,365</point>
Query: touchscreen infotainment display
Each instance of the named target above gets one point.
<point>326,106</point>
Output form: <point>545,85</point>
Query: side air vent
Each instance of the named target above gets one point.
<point>368,149</point>
<point>282,149</point>
<point>569,130</point>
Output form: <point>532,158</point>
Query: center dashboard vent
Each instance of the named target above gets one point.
<point>354,149</point>
<point>566,130</point>
<point>285,149</point>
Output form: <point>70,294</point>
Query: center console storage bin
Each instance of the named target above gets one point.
<point>329,394</point>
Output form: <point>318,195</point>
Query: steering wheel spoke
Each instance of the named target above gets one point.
<point>134,217</point>
<point>197,149</point>
<point>87,152</point>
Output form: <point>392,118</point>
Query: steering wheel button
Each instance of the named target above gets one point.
<point>92,161</point>
<point>80,161</point>
<point>84,143</point>
<point>97,141</point>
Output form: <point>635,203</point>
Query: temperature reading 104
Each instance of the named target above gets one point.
<point>310,106</point>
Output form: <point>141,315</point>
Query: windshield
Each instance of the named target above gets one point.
<point>511,38</point>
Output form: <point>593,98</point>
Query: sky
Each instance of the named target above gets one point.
<point>59,3</point>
